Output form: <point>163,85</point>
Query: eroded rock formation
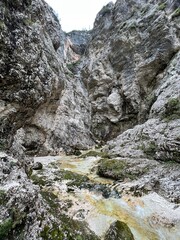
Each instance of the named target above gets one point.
<point>132,44</point>
<point>118,85</point>
<point>64,90</point>
<point>41,102</point>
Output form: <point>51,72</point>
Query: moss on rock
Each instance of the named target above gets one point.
<point>75,178</point>
<point>176,13</point>
<point>119,169</point>
<point>52,200</point>
<point>119,230</point>
<point>149,149</point>
<point>2,197</point>
<point>39,180</point>
<point>68,229</point>
<point>172,109</point>
<point>95,154</point>
<point>162,6</point>
<point>5,228</point>
<point>111,168</point>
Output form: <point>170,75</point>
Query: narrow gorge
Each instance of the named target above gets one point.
<point>90,123</point>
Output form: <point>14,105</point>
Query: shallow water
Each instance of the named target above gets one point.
<point>150,217</point>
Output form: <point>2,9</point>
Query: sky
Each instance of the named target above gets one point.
<point>77,14</point>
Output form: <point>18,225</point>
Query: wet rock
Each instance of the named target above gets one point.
<point>103,189</point>
<point>107,193</point>
<point>119,230</point>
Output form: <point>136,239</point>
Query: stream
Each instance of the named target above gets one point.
<point>149,217</point>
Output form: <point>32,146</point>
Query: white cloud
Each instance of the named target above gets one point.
<point>77,14</point>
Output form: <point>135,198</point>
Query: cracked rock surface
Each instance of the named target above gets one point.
<point>115,87</point>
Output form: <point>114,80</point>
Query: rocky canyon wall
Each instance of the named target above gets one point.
<point>117,85</point>
<point>132,44</point>
<point>44,107</point>
<point>64,91</point>
<point>132,74</point>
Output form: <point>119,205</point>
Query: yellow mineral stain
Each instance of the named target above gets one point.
<point>110,208</point>
<point>133,202</point>
<point>94,178</point>
<point>128,209</point>
<point>82,167</point>
<point>67,166</point>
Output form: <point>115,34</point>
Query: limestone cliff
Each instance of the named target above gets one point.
<point>117,85</point>
<point>132,74</point>
<point>61,91</point>
<point>43,106</point>
<point>132,44</point>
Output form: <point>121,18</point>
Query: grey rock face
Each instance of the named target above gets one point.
<point>31,72</point>
<point>132,44</point>
<point>158,137</point>
<point>140,176</point>
<point>22,207</point>
<point>38,93</point>
<point>59,92</point>
<point>68,127</point>
<point>79,40</point>
<point>56,96</point>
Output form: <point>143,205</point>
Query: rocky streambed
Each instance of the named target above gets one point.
<point>94,207</point>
